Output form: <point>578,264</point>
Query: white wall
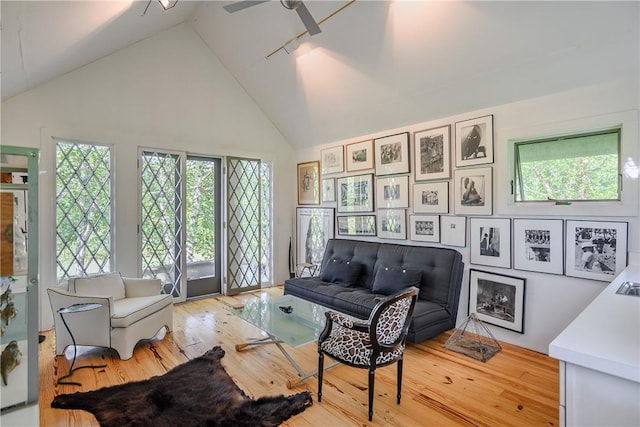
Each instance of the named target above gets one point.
<point>551,301</point>
<point>168,91</point>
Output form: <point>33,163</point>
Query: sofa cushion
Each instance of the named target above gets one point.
<point>389,280</point>
<point>128,311</point>
<point>103,285</point>
<point>341,272</point>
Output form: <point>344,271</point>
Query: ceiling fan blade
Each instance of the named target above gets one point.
<point>240,5</point>
<point>312,27</point>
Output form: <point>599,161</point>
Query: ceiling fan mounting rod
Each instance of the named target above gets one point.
<point>331,15</point>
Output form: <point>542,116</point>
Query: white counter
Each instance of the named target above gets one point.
<point>606,335</point>
<point>599,355</point>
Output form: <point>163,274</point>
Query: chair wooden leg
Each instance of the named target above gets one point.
<point>320,372</point>
<point>372,380</point>
<point>399,380</point>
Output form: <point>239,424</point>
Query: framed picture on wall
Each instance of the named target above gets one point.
<point>392,154</point>
<point>359,156</point>
<point>596,249</point>
<point>473,190</point>
<point>538,245</point>
<point>392,192</point>
<point>431,197</point>
<point>453,230</point>
<point>309,183</point>
<point>357,225</point>
<point>474,141</point>
<point>497,299</point>
<point>392,224</point>
<point>432,154</point>
<point>424,228</point>
<point>332,160</point>
<point>315,226</point>
<point>328,190</point>
<point>355,193</point>
<point>491,241</point>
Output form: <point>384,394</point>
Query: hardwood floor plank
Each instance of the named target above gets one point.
<point>517,387</point>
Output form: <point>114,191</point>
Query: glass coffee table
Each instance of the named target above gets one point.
<point>285,319</point>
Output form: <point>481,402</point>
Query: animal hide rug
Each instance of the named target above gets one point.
<point>196,393</point>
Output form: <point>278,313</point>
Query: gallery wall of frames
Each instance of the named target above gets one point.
<point>435,186</point>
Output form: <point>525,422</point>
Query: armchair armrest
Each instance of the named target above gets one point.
<point>136,287</point>
<point>60,298</point>
<point>346,322</point>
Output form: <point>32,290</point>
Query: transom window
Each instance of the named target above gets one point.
<point>578,167</point>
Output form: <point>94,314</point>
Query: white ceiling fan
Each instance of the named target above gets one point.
<point>310,24</point>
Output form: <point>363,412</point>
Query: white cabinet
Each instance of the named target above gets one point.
<point>593,398</point>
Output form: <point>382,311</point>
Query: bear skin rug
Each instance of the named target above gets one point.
<point>196,393</point>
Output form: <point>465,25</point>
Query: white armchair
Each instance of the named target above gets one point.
<point>132,310</point>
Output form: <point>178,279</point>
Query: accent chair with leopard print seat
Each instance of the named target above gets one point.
<point>378,342</point>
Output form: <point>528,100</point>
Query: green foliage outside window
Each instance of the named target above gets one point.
<point>583,167</point>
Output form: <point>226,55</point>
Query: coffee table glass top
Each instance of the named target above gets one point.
<point>290,319</point>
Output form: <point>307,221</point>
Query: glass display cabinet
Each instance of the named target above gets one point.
<point>18,276</point>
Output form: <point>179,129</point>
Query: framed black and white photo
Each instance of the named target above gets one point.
<point>359,156</point>
<point>328,190</point>
<point>392,154</point>
<point>315,226</point>
<point>355,193</point>
<point>596,249</point>
<point>392,192</point>
<point>357,225</point>
<point>332,160</point>
<point>474,141</point>
<point>432,153</point>
<point>497,299</point>
<point>453,230</point>
<point>309,183</point>
<point>491,241</point>
<point>424,228</point>
<point>431,197</point>
<point>538,245</point>
<point>473,190</point>
<point>392,224</point>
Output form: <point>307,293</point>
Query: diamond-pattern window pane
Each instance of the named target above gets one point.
<point>244,224</point>
<point>83,209</point>
<point>265,221</point>
<point>161,219</point>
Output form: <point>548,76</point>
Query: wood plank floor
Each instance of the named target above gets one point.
<point>516,387</point>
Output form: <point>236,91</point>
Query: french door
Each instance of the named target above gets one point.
<point>180,222</point>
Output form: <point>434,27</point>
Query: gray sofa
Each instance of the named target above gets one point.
<point>354,275</point>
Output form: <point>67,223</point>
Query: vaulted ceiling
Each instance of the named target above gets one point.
<point>376,65</point>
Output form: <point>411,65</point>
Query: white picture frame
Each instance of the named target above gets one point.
<point>392,154</point>
<point>359,156</point>
<point>473,191</point>
<point>608,246</point>
<point>432,153</point>
<point>392,224</point>
<point>431,197</point>
<point>424,228</point>
<point>392,192</point>
<point>538,245</point>
<point>490,241</point>
<point>332,160</point>
<point>355,193</point>
<point>328,190</point>
<point>474,141</point>
<point>357,225</point>
<point>310,247</point>
<point>453,230</point>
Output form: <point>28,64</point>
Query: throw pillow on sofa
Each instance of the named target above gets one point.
<point>389,280</point>
<point>341,272</point>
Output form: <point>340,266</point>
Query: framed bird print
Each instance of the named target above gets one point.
<point>474,141</point>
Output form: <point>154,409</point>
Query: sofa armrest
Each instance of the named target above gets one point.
<point>136,287</point>
<point>60,298</point>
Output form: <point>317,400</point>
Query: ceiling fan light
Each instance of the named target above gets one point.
<point>167,4</point>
